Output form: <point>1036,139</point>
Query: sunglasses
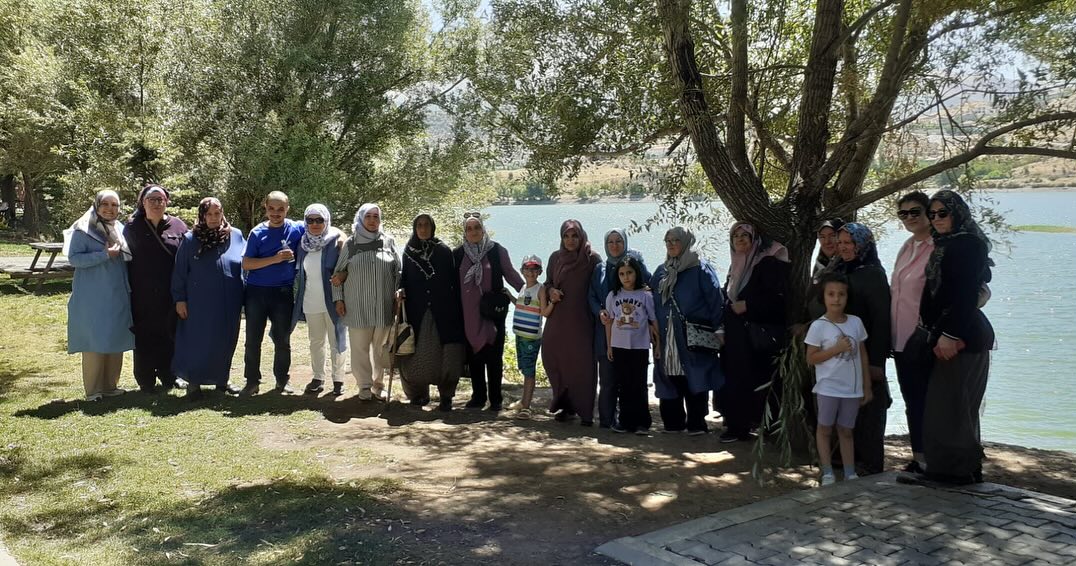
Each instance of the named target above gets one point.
<point>472,214</point>
<point>940,213</point>
<point>315,220</point>
<point>911,212</point>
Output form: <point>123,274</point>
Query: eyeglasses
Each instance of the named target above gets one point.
<point>315,220</point>
<point>911,212</point>
<point>155,200</point>
<point>472,214</point>
<point>940,213</point>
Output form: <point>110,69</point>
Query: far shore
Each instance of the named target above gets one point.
<point>650,199</point>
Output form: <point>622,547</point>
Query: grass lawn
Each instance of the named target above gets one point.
<point>1045,228</point>
<point>156,480</point>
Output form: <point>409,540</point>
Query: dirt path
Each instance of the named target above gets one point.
<point>484,488</point>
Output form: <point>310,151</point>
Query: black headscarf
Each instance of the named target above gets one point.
<point>210,238</point>
<point>421,251</point>
<point>822,261</point>
<point>964,226</point>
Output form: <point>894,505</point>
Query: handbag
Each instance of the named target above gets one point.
<point>700,337</point>
<point>766,338</point>
<point>493,305</point>
<point>401,338</point>
<point>919,349</point>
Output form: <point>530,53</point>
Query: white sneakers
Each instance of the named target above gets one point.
<point>828,479</point>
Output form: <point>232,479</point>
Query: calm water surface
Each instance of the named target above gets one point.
<point>1030,399</point>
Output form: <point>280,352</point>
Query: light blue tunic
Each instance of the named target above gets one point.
<point>99,310</point>
<point>698,292</point>
<point>212,286</point>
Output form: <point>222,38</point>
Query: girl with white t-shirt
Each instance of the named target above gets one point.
<point>631,330</point>
<point>835,347</point>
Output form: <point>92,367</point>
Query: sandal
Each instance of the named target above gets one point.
<point>523,414</point>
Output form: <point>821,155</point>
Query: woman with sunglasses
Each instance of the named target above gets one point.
<point>208,290</point>
<point>99,310</point>
<point>483,268</point>
<point>154,237</point>
<point>868,298</point>
<point>319,249</point>
<point>906,288</point>
<point>430,291</point>
<point>961,336</point>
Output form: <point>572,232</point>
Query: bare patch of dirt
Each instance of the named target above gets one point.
<point>485,488</point>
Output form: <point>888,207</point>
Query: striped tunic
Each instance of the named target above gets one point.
<point>372,279</point>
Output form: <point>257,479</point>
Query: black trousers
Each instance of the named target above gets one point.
<point>870,429</point>
<point>951,415</point>
<point>673,410</point>
<point>913,379</point>
<point>487,370</point>
<point>607,392</point>
<point>155,345</point>
<point>629,377</point>
<point>272,305</point>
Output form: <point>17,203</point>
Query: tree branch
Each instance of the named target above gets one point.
<point>980,148</point>
<point>736,125</point>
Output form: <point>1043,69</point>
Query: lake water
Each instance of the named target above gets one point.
<point>1030,400</point>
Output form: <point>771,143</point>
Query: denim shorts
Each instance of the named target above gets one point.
<point>840,410</point>
<point>527,355</point>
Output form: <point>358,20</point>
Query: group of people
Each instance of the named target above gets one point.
<point>175,296</point>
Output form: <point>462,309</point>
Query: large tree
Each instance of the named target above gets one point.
<point>796,111</point>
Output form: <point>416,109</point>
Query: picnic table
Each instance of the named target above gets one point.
<point>53,268</point>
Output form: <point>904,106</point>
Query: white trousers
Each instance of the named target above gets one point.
<point>319,326</point>
<point>367,355</point>
<point>101,372</point>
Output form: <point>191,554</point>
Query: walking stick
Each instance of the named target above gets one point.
<point>392,352</point>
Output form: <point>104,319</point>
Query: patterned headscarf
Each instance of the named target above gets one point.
<point>421,251</point>
<point>866,249</point>
<point>310,242</point>
<point>964,226</point>
<point>359,232</point>
<point>210,238</point>
<point>569,261</point>
<point>674,265</point>
<point>476,252</point>
<point>743,264</point>
<point>98,228</point>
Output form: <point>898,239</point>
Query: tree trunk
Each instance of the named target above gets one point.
<point>32,212</point>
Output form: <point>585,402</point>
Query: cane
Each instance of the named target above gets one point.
<point>392,352</point>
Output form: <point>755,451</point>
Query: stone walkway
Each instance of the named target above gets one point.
<point>872,521</point>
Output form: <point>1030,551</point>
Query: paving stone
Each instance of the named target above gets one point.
<point>751,551</point>
<point>879,547</point>
<point>736,560</point>
<point>706,553</point>
<point>780,560</point>
<point>835,548</point>
<point>868,556</point>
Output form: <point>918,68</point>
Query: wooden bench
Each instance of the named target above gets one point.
<point>18,268</point>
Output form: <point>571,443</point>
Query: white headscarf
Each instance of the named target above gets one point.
<point>310,242</point>
<point>358,231</point>
<point>98,228</point>
<point>476,252</point>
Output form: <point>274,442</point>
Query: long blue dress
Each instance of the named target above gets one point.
<point>698,292</point>
<point>212,286</point>
<point>99,310</point>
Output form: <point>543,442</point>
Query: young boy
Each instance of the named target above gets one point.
<point>835,346</point>
<point>269,259</point>
<point>531,306</point>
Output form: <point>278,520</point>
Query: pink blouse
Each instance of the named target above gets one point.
<point>906,288</point>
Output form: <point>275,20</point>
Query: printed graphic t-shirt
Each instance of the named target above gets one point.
<point>632,312</point>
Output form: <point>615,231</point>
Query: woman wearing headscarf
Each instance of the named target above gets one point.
<point>755,289</point>
<point>961,336</point>
<point>568,339</point>
<point>601,282</point>
<point>153,236</point>
<point>827,246</point>
<point>483,267</point>
<point>319,249</point>
<point>365,300</point>
<point>207,287</point>
<point>99,310</point>
<point>686,289</point>
<point>430,291</point>
<point>869,299</point>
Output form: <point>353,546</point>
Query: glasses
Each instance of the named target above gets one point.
<point>155,200</point>
<point>315,220</point>
<point>940,213</point>
<point>472,214</point>
<point>910,213</point>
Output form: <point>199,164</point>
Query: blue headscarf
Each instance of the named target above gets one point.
<point>866,249</point>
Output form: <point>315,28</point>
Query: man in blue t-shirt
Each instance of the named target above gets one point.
<point>269,260</point>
